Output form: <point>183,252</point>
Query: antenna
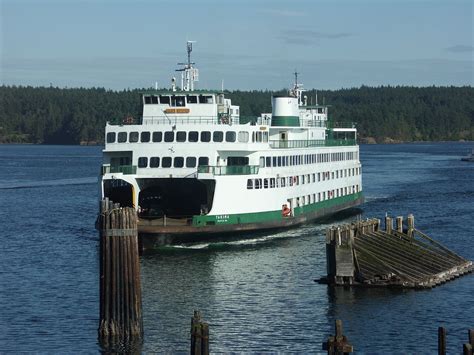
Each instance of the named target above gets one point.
<point>297,89</point>
<point>189,74</point>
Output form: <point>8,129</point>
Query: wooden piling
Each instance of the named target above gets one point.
<point>467,349</point>
<point>120,288</point>
<point>199,335</point>
<point>399,224</point>
<point>338,344</point>
<point>410,224</point>
<point>388,224</point>
<point>441,341</point>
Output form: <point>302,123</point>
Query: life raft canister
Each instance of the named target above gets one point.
<point>285,211</point>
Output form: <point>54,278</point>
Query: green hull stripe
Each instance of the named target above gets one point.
<point>267,216</point>
<point>288,121</point>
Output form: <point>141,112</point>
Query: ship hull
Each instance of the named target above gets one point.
<point>154,233</point>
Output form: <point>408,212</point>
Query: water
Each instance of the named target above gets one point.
<point>258,295</point>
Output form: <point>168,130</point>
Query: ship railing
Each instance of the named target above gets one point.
<point>115,169</point>
<point>173,120</point>
<point>281,144</point>
<point>342,124</point>
<point>207,120</point>
<point>313,123</point>
<point>229,170</point>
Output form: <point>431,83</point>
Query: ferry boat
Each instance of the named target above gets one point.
<point>194,170</point>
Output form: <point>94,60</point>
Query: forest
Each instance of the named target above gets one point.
<point>386,114</point>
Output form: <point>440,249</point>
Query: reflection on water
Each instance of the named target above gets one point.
<point>257,294</point>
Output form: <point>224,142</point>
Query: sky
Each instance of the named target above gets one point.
<point>247,44</point>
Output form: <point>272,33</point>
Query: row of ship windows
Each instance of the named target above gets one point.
<point>178,100</point>
<point>190,162</point>
<point>168,162</point>
<point>306,159</point>
<point>300,179</point>
<point>326,195</point>
<point>183,136</point>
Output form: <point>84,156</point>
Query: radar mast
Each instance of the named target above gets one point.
<point>189,74</point>
<point>297,90</point>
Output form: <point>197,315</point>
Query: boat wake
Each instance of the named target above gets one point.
<point>244,241</point>
<point>47,183</point>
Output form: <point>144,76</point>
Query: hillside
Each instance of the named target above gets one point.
<point>384,114</point>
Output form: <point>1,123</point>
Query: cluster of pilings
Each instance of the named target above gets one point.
<point>361,253</point>
<point>120,286</point>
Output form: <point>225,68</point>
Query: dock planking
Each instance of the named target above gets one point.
<point>361,253</point>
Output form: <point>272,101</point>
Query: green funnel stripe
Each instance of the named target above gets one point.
<point>288,121</point>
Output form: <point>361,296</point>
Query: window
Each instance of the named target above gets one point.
<point>191,162</point>
<point>272,183</point>
<point>177,101</point>
<point>282,182</point>
<point>169,136</point>
<point>147,100</point>
<point>243,137</point>
<point>166,162</point>
<point>233,161</point>
<point>154,99</point>
<point>181,136</point>
<point>142,162</point>
<point>205,99</point>
<point>164,99</point>
<point>145,137</point>
<point>192,99</point>
<point>249,184</point>
<point>230,136</point>
<point>262,162</point>
<point>265,183</point>
<point>111,137</point>
<point>193,136</point>
<point>157,136</point>
<point>154,162</point>
<point>133,137</point>
<point>203,161</point>
<point>122,137</point>
<point>217,136</point>
<point>268,161</point>
<point>258,183</point>
<point>178,162</point>
<point>205,136</point>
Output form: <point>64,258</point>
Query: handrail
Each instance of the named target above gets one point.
<point>229,170</point>
<point>281,144</point>
<point>124,169</point>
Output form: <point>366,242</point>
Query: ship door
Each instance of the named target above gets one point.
<point>291,206</point>
<point>283,139</point>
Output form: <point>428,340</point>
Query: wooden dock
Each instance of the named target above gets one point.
<point>361,253</point>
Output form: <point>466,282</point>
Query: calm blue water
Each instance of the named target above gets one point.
<point>258,295</point>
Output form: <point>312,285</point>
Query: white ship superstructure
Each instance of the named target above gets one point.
<point>192,170</point>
